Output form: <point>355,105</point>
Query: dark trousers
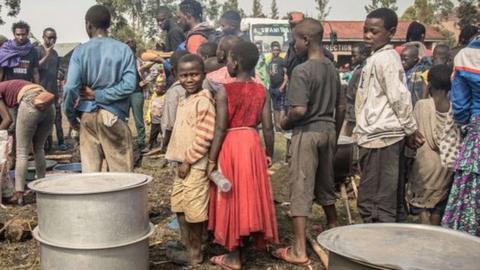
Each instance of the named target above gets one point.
<point>136,103</point>
<point>58,127</point>
<point>155,130</point>
<point>382,175</point>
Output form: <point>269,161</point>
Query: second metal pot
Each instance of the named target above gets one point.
<point>128,256</point>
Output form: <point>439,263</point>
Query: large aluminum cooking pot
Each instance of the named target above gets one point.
<point>400,246</point>
<point>343,166</point>
<point>127,256</point>
<point>92,210</point>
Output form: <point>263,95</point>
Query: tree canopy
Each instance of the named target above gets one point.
<point>467,12</point>
<point>274,10</point>
<point>12,6</point>
<point>323,9</point>
<point>257,9</point>
<point>375,4</point>
<point>232,5</point>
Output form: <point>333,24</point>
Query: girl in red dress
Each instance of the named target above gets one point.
<point>247,209</point>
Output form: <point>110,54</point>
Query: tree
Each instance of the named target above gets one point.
<point>323,9</point>
<point>257,10</point>
<point>468,13</point>
<point>232,5</point>
<point>212,10</point>
<point>135,19</point>
<point>428,11</point>
<point>431,12</point>
<point>422,11</point>
<point>381,4</point>
<point>13,8</point>
<point>274,7</point>
<point>443,8</point>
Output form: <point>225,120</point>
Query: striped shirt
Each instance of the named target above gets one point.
<point>193,131</point>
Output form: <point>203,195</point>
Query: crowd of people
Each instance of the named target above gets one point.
<point>413,113</point>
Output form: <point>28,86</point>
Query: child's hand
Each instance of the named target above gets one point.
<point>284,123</point>
<point>183,170</point>
<point>416,140</point>
<point>75,125</point>
<point>269,162</point>
<point>87,93</point>
<point>211,167</point>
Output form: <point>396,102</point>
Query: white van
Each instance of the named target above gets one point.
<point>267,31</point>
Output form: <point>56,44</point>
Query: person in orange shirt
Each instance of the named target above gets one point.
<point>190,15</point>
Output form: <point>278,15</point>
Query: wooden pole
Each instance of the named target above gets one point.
<point>319,251</point>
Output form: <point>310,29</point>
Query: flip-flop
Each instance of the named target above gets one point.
<point>282,254</point>
<point>220,262</point>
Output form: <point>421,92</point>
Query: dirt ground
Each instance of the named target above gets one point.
<point>25,253</point>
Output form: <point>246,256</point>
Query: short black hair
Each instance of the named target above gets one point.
<point>246,54</point>
<point>99,16</point>
<point>363,48</point>
<point>413,48</point>
<point>192,58</point>
<point>467,33</point>
<point>21,25</point>
<point>175,57</point>
<point>164,10</point>
<point>228,42</point>
<point>312,28</point>
<point>439,77</point>
<point>192,8</point>
<point>208,49</point>
<point>416,31</point>
<point>232,16</point>
<point>49,29</point>
<point>389,17</point>
<point>275,44</point>
<point>442,47</point>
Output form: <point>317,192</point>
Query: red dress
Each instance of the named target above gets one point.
<point>248,208</point>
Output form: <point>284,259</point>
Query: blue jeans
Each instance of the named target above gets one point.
<point>32,127</point>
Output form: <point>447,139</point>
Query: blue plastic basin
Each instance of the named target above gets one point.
<point>70,167</point>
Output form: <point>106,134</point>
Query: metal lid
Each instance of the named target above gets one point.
<point>90,183</point>
<point>404,246</point>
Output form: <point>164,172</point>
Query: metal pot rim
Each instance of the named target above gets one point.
<point>33,184</point>
<point>327,238</point>
<point>36,235</point>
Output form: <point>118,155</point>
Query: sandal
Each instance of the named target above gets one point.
<point>220,262</point>
<point>282,254</point>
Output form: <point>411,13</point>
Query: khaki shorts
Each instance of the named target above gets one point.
<point>311,170</point>
<point>190,196</point>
